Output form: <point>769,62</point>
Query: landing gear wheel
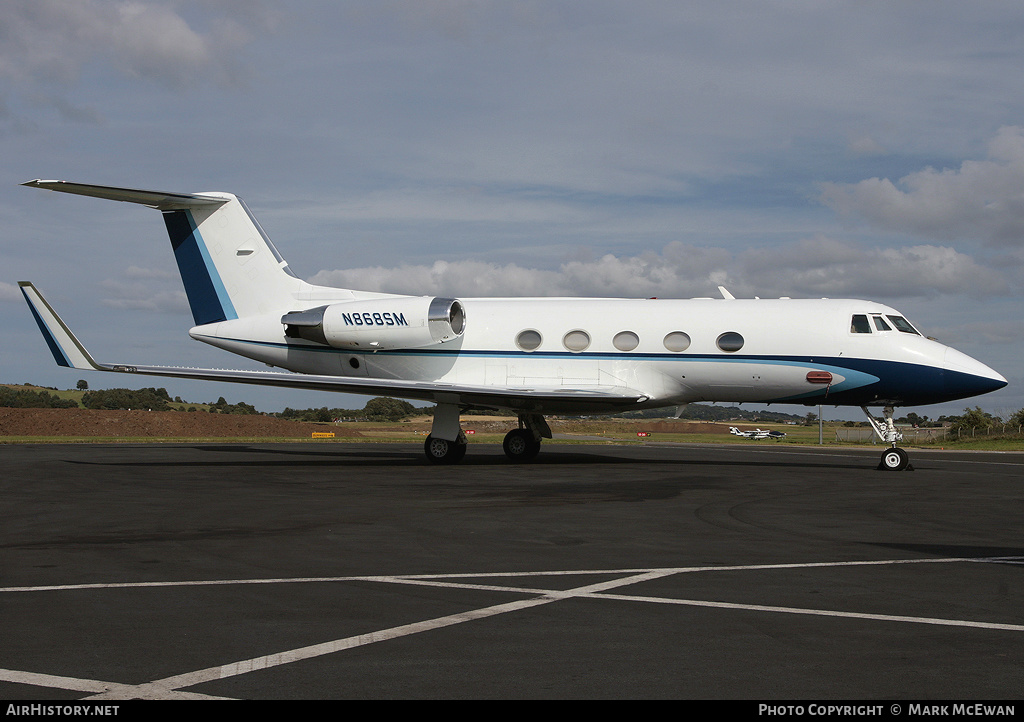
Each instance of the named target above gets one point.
<point>519,445</point>
<point>894,459</point>
<point>442,451</point>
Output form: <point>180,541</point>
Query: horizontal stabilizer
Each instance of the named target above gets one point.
<point>154,199</point>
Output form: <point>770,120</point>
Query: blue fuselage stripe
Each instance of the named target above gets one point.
<point>866,381</point>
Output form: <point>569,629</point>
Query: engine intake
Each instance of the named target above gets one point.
<point>386,323</point>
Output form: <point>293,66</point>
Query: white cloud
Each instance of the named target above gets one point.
<point>46,46</point>
<point>466,278</point>
<point>828,267</point>
<point>50,40</point>
<point>156,43</point>
<point>145,290</point>
<point>810,267</point>
<point>983,200</point>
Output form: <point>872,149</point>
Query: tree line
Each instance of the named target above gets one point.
<point>157,399</point>
<point>977,419</point>
<point>29,399</point>
<point>380,408</point>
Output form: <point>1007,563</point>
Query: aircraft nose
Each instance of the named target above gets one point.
<point>966,376</point>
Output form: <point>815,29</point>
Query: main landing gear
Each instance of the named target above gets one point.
<point>523,444</point>
<point>894,458</point>
<point>442,451</point>
<point>446,443</point>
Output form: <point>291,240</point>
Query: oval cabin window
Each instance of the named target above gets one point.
<point>626,341</point>
<point>576,340</point>
<point>528,340</point>
<point>730,341</point>
<point>677,341</point>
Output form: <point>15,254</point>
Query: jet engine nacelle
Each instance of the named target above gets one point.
<point>386,323</point>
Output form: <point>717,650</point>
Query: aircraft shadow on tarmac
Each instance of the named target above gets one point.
<point>402,455</point>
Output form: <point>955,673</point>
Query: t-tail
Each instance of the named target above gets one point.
<point>229,267</point>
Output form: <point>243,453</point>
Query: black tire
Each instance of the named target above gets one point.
<point>895,459</point>
<point>520,446</point>
<point>442,451</point>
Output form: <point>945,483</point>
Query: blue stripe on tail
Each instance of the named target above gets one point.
<point>207,296</point>
<point>58,353</point>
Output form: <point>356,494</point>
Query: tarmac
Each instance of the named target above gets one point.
<point>655,571</point>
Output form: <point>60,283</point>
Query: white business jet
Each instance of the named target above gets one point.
<point>531,356</point>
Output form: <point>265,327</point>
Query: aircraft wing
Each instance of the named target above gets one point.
<point>68,351</point>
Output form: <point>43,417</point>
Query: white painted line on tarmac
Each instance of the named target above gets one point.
<point>210,674</point>
<point>157,689</point>
<point>53,681</point>
<point>816,612</point>
<point>73,684</point>
<point>470,575</point>
<point>172,687</point>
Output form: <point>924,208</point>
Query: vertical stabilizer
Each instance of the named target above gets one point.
<point>228,265</point>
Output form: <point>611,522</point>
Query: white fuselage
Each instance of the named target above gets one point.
<point>637,344</point>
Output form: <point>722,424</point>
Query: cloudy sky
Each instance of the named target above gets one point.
<point>862,149</point>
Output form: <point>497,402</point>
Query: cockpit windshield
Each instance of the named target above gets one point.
<point>859,324</point>
<point>903,325</point>
<point>862,323</point>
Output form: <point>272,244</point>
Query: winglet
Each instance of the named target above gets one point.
<point>66,349</point>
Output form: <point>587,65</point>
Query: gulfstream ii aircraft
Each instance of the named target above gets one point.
<point>531,356</point>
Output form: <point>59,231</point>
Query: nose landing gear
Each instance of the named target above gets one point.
<point>894,458</point>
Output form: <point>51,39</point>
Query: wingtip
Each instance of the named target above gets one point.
<point>67,350</point>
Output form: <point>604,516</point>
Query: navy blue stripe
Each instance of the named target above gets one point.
<point>206,294</point>
<point>58,353</point>
<point>899,383</point>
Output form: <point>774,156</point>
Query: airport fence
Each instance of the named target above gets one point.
<point>864,434</point>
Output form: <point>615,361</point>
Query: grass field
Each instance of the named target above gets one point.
<point>491,430</point>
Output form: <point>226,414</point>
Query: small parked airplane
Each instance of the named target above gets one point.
<point>533,356</point>
<point>758,433</point>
